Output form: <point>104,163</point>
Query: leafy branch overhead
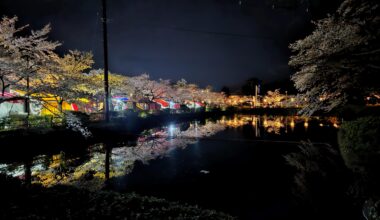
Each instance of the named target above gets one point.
<point>340,59</point>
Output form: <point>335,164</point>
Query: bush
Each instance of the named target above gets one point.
<point>184,109</point>
<point>359,143</point>
<point>22,121</point>
<point>371,209</point>
<point>318,174</point>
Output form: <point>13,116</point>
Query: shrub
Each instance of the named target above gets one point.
<point>359,143</point>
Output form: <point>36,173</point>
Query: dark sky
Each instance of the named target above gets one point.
<point>216,42</point>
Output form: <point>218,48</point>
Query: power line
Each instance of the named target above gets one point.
<point>218,33</point>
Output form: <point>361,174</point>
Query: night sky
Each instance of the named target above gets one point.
<point>216,42</point>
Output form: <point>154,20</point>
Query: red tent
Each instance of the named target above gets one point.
<point>10,95</point>
<point>74,107</point>
<point>163,103</point>
<point>200,104</point>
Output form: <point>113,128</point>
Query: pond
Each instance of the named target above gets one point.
<point>233,164</point>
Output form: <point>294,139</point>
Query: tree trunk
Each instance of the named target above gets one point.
<point>60,105</point>
<point>2,86</point>
<point>27,107</point>
<point>28,172</point>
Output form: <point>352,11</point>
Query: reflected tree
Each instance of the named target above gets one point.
<point>28,172</point>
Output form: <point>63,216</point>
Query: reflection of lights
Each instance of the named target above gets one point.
<point>171,129</point>
<point>122,159</point>
<point>273,125</point>
<point>306,124</point>
<point>276,124</point>
<point>292,124</point>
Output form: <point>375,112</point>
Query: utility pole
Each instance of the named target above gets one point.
<point>105,50</point>
<point>256,99</point>
<point>27,100</point>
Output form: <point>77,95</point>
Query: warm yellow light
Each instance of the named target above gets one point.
<point>321,125</point>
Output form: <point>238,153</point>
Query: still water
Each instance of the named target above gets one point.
<point>232,164</point>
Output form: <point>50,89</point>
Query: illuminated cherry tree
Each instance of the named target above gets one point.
<point>274,98</point>
<point>145,88</point>
<point>340,59</point>
<point>64,79</point>
<point>22,57</point>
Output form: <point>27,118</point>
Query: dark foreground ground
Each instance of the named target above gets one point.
<point>19,201</point>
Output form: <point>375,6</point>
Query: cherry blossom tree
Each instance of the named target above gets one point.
<point>186,91</point>
<point>181,92</point>
<point>274,98</point>
<point>119,84</point>
<point>340,59</point>
<point>144,87</point>
<point>64,79</point>
<point>23,56</point>
<point>9,64</point>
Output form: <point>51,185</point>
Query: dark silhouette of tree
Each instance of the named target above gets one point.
<point>249,87</point>
<point>226,90</point>
<point>286,85</point>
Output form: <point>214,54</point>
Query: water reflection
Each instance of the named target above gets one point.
<point>278,125</point>
<point>105,161</point>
